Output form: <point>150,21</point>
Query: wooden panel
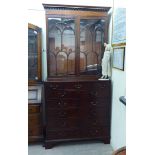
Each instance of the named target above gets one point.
<point>33,109</point>
<point>35,131</point>
<point>34,119</point>
<point>75,13</point>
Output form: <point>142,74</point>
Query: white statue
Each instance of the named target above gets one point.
<point>106,62</point>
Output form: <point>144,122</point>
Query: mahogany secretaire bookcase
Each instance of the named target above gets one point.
<point>77,105</point>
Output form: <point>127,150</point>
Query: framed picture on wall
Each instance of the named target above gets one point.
<point>118,57</point>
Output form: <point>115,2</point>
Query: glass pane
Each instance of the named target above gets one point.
<point>61,39</point>
<point>62,63</point>
<point>52,64</point>
<point>91,45</point>
<point>82,61</point>
<point>32,54</point>
<point>71,63</point>
<point>68,41</point>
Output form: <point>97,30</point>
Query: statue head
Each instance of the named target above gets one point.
<point>107,47</point>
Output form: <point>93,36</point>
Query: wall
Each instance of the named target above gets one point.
<point>118,120</point>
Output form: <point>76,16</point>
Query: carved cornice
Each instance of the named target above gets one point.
<point>75,8</point>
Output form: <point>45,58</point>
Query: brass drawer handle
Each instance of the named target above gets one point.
<point>78,86</point>
<point>94,93</point>
<point>63,114</point>
<point>93,103</point>
<point>54,86</point>
<point>62,95</point>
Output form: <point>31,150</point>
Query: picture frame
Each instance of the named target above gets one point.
<point>34,94</point>
<point>119,27</point>
<point>118,58</point>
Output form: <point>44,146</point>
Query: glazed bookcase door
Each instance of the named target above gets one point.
<point>91,45</point>
<point>34,54</point>
<point>61,52</point>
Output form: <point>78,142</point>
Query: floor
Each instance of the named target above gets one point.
<point>74,148</point>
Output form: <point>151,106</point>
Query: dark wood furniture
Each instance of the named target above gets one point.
<point>77,105</point>
<point>35,129</point>
<point>34,54</point>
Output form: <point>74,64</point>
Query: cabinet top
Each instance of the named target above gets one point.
<point>75,8</point>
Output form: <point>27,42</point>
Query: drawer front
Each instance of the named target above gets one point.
<point>54,86</point>
<point>63,134</point>
<point>33,109</point>
<point>95,102</point>
<point>90,122</point>
<point>35,131</point>
<point>98,132</point>
<point>61,94</point>
<point>63,123</point>
<point>98,93</point>
<point>98,113</point>
<point>65,113</point>
<point>34,119</point>
<point>62,103</point>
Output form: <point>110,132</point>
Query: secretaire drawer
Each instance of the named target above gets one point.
<point>54,86</point>
<point>61,94</point>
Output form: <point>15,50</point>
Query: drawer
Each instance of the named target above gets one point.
<point>94,102</point>
<point>63,134</point>
<point>99,102</point>
<point>71,86</point>
<point>33,109</point>
<point>98,113</point>
<point>63,123</point>
<point>90,122</point>
<point>34,119</point>
<point>61,94</point>
<point>102,85</point>
<point>62,103</point>
<point>97,132</point>
<point>99,94</point>
<point>54,86</point>
<point>62,113</point>
<point>35,131</point>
